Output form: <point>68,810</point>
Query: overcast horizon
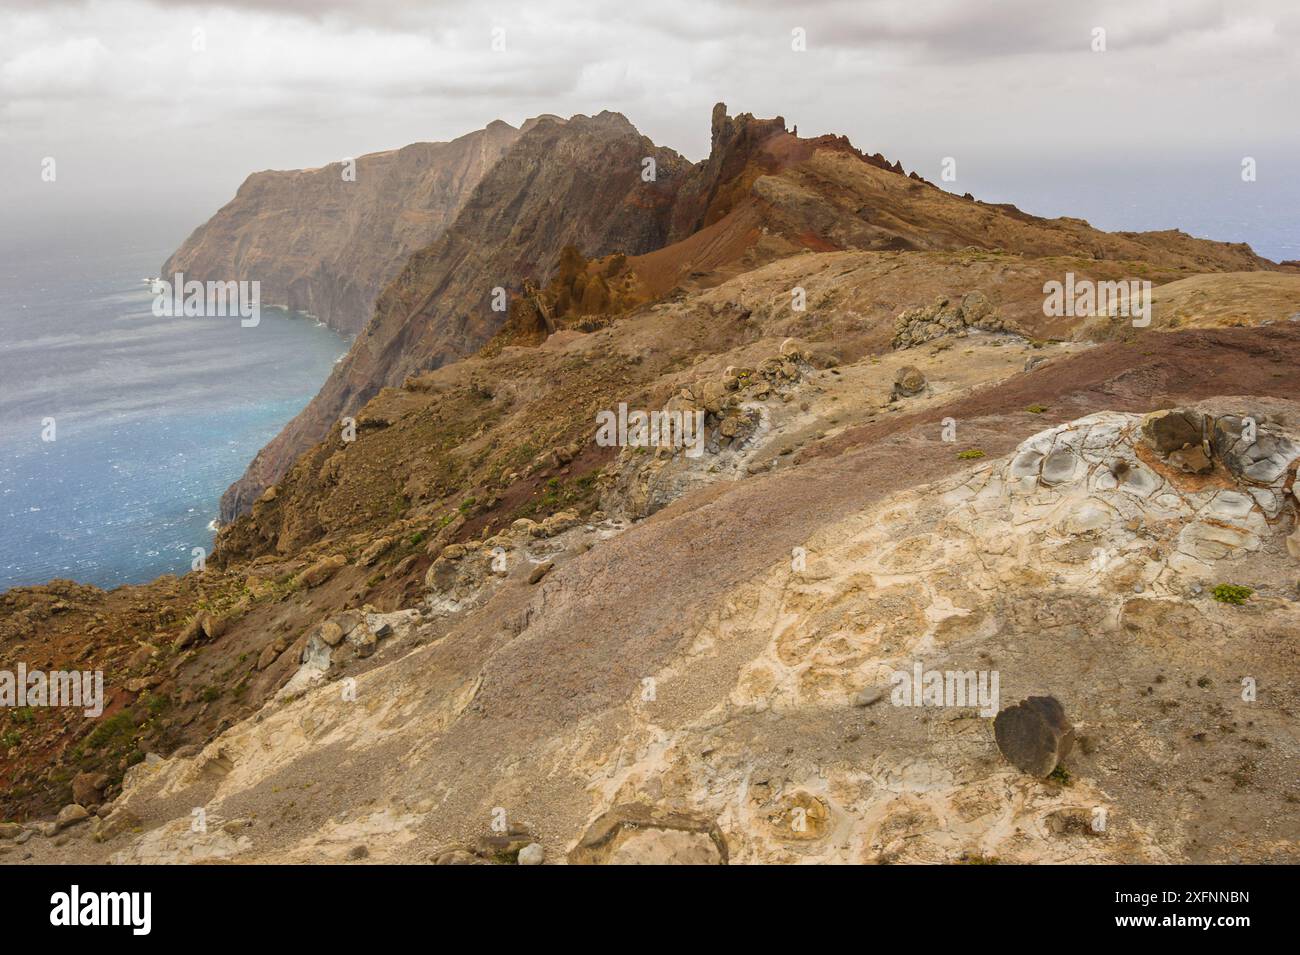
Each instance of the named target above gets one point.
<point>161,110</point>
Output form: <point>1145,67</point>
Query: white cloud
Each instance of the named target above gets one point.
<point>117,87</point>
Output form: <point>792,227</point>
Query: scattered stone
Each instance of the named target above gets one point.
<point>321,571</point>
<point>70,815</point>
<point>358,852</point>
<point>1034,735</point>
<point>868,696</point>
<point>540,571</point>
<point>375,551</point>
<point>457,857</point>
<point>10,830</point>
<point>532,854</point>
<point>915,326</point>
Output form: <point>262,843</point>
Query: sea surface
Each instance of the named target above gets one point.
<point>153,417</point>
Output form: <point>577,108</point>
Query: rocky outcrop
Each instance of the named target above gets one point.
<point>914,326</point>
<point>326,241</point>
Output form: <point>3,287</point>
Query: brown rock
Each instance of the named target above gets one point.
<point>70,815</point>
<point>1034,735</point>
<point>909,381</point>
<point>271,652</point>
<point>540,571</point>
<point>116,823</point>
<point>375,551</point>
<point>1166,431</point>
<point>1191,460</point>
<point>321,571</point>
<point>86,788</point>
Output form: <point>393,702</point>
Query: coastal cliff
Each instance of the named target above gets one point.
<point>326,241</point>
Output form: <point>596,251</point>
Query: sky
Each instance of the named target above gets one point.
<point>154,112</point>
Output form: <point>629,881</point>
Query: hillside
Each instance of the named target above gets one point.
<point>640,654</point>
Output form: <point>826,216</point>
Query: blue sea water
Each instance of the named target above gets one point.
<point>153,417</point>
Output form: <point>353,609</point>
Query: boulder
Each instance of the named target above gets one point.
<point>321,571</point>
<point>212,625</point>
<point>540,571</point>
<point>189,634</point>
<point>86,788</point>
<point>909,381</point>
<point>116,823</point>
<point>1166,431</point>
<point>532,854</point>
<point>70,815</point>
<point>1034,735</point>
<point>271,652</point>
<point>332,632</point>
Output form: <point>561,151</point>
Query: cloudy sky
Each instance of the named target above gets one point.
<point>159,109</point>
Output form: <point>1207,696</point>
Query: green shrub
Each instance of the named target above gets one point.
<point>970,454</point>
<point>1231,594</point>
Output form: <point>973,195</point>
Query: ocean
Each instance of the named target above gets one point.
<point>152,417</point>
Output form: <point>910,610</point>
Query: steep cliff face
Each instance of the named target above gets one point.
<point>576,182</point>
<point>327,245</point>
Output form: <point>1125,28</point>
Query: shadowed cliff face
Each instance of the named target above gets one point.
<point>576,182</point>
<point>327,245</point>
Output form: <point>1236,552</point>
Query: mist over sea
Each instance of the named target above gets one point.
<point>154,417</point>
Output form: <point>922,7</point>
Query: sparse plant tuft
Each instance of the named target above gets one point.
<point>1231,594</point>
